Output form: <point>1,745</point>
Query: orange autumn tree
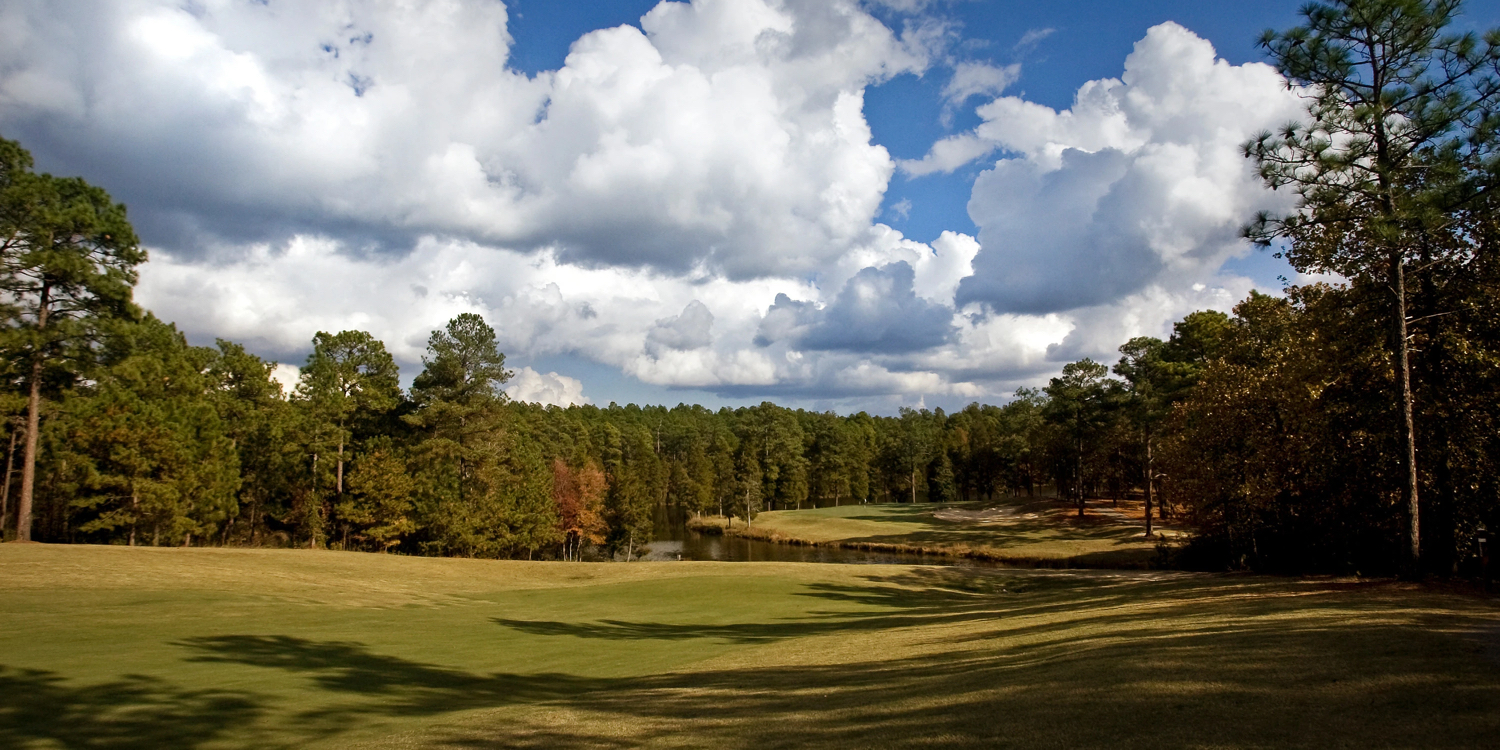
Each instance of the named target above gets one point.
<point>579,497</point>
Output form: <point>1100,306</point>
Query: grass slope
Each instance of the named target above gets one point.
<point>126,648</point>
<point>1019,531</point>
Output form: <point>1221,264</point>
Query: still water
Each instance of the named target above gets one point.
<point>675,542</point>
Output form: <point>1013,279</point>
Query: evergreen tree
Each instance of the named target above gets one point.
<point>378,507</point>
<point>916,445</point>
<point>148,444</point>
<point>942,487</point>
<point>1401,134</point>
<point>1080,402</point>
<point>67,268</point>
<point>749,484</point>
<point>348,375</point>
<point>260,424</point>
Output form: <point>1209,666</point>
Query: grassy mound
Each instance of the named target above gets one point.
<point>1038,532</point>
<point>115,647</point>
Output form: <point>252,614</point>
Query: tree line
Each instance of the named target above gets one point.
<point>1277,453</point>
<point>1346,426</point>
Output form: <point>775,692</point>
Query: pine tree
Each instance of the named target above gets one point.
<point>349,375</point>
<point>67,269</point>
<point>1401,133</point>
<point>378,504</point>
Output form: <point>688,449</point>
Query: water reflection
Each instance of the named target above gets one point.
<point>675,542</point>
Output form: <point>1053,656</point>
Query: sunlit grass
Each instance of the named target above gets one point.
<point>115,647</point>
<point>1014,530</point>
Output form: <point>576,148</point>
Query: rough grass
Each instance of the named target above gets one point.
<point>1040,532</point>
<point>143,648</point>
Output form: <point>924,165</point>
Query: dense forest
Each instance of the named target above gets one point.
<point>1344,426</point>
<point>1267,431</point>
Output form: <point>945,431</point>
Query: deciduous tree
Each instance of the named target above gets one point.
<point>1400,133</point>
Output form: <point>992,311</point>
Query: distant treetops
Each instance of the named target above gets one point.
<point>1342,427</point>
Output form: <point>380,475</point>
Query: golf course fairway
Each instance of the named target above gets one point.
<point>114,647</point>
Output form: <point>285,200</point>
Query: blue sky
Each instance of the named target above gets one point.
<point>845,204</point>
<point>1084,40</point>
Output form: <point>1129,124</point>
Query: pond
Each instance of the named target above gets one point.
<point>675,542</point>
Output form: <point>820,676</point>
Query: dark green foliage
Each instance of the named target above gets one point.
<point>463,366</point>
<point>348,384</point>
<point>67,271</point>
<point>1267,435</point>
<point>1399,142</point>
<point>377,511</point>
<point>143,450</point>
<point>1271,432</point>
<point>264,430</point>
<point>1082,405</point>
<point>483,489</point>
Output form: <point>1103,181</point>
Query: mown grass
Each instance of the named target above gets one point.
<point>138,648</point>
<point>1019,531</point>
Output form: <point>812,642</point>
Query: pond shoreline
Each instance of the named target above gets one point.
<point>720,526</point>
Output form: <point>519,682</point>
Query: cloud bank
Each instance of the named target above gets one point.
<point>692,202</point>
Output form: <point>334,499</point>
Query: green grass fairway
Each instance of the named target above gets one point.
<point>109,647</point>
<point>1015,530</point>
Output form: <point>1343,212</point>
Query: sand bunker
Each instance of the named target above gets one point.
<point>985,517</point>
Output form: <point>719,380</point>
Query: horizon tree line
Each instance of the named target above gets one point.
<point>1348,426</point>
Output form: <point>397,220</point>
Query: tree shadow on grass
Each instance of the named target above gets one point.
<point>921,596</point>
<point>40,708</point>
<point>1220,661</point>
<point>1256,674</point>
<point>1026,659</point>
<point>402,686</point>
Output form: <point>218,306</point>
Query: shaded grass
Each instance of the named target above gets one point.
<point>110,647</point>
<point>1035,532</point>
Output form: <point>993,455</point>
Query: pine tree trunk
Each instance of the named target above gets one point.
<point>10,465</point>
<point>33,422</point>
<point>1150,483</point>
<point>311,509</point>
<point>1078,476</point>
<point>28,458</point>
<point>1409,432</point>
<point>254,520</point>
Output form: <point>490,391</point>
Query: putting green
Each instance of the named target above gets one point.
<point>117,647</point>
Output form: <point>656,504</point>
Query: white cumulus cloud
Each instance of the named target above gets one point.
<point>548,389</point>
<point>721,134</point>
<point>1142,182</point>
<point>692,202</point>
